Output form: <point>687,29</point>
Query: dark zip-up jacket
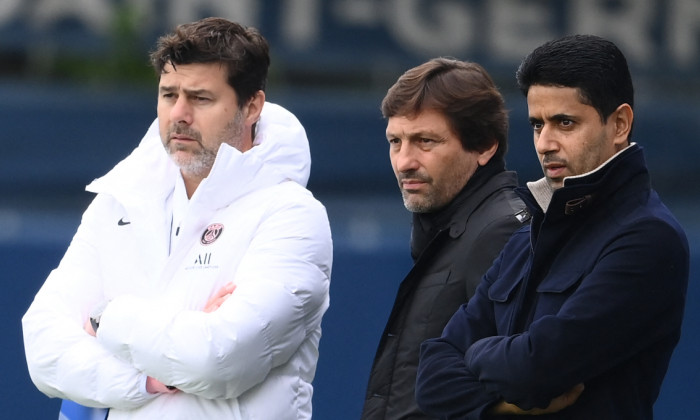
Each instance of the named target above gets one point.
<point>452,250</point>
<point>592,292</point>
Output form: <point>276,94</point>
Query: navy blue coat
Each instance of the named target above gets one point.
<point>591,292</point>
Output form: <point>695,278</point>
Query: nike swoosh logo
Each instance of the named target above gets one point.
<point>122,222</point>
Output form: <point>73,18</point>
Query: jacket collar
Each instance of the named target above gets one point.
<point>580,191</point>
<point>486,181</point>
<point>496,182</point>
<point>280,153</point>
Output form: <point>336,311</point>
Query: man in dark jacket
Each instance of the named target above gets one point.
<point>447,131</point>
<point>579,315</point>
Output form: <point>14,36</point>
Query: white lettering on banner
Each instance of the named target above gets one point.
<point>301,23</point>
<point>8,10</point>
<point>246,12</point>
<point>445,28</point>
<point>94,14</point>
<point>683,31</point>
<point>516,27</point>
<point>358,12</point>
<point>628,22</point>
<point>650,32</point>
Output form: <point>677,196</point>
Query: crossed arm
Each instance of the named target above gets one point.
<point>443,371</point>
<point>476,368</point>
<point>215,351</point>
<point>153,385</point>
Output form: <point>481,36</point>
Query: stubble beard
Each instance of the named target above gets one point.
<point>420,202</point>
<point>554,183</point>
<point>427,203</point>
<point>193,161</point>
<point>197,163</point>
<point>439,194</point>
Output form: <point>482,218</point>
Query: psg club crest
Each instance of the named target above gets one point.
<point>212,233</point>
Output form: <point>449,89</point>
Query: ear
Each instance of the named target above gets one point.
<point>623,117</point>
<point>253,108</point>
<point>485,155</point>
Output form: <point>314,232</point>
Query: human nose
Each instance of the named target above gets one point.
<point>546,141</point>
<point>405,158</point>
<point>181,112</point>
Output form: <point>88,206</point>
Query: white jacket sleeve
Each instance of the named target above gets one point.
<point>281,295</point>
<point>63,360</point>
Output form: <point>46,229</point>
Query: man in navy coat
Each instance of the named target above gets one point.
<point>580,313</point>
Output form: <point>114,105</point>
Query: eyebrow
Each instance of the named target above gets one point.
<point>190,92</point>
<point>561,117</point>
<point>417,135</point>
<point>555,117</point>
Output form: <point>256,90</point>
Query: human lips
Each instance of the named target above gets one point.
<point>553,168</point>
<point>180,137</point>
<point>412,184</point>
<point>183,135</point>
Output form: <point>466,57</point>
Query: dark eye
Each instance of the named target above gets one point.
<point>536,125</point>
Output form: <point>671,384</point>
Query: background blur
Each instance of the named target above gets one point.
<point>77,95</point>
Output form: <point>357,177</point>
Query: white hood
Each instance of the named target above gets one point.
<point>280,153</point>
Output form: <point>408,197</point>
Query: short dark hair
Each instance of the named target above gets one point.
<point>462,91</point>
<point>590,63</point>
<point>243,50</point>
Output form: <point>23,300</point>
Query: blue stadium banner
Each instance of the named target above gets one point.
<point>657,36</point>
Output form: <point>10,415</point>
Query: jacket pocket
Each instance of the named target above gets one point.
<point>555,289</point>
<point>437,299</point>
<point>440,295</point>
<point>503,290</point>
<point>502,295</point>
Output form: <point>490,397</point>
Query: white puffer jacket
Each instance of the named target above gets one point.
<point>250,222</point>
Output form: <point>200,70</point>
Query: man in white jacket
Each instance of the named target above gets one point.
<point>195,285</point>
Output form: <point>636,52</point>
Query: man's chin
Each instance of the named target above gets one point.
<point>416,205</point>
<point>180,157</point>
<point>556,183</point>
